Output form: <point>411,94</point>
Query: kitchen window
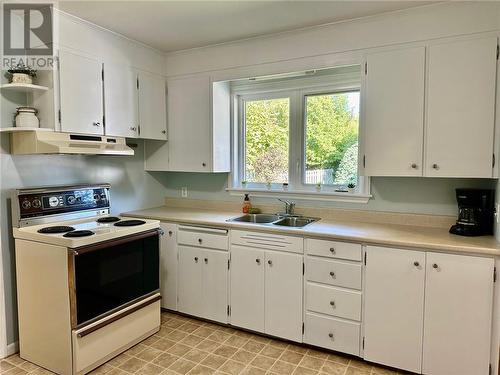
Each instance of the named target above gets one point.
<point>299,136</point>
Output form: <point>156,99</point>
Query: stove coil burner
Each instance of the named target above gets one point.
<point>56,229</point>
<point>79,233</point>
<point>108,219</point>
<point>129,223</point>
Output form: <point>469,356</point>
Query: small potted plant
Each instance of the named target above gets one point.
<point>350,187</point>
<point>21,74</point>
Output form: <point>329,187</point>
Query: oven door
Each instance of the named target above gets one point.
<point>111,275</point>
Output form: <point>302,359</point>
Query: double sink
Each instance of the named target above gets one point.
<point>292,221</point>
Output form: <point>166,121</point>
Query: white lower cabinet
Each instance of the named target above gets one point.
<point>457,318</point>
<point>394,307</point>
<point>428,312</point>
<point>202,283</point>
<point>266,285</point>
<point>168,266</point>
<point>247,288</point>
<point>283,295</point>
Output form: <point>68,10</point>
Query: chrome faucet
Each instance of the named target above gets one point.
<point>289,206</point>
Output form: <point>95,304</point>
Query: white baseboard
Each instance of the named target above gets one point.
<point>12,348</point>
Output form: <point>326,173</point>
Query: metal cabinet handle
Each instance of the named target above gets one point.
<point>257,261</point>
<point>203,164</point>
<point>96,123</point>
<point>332,274</point>
<point>332,303</point>
<point>332,250</point>
<point>170,233</point>
<point>330,335</point>
<point>196,259</point>
<point>416,264</point>
<point>206,260</point>
<point>414,166</point>
<point>435,265</point>
<point>133,128</point>
<point>270,262</point>
<point>163,132</point>
<point>200,240</point>
<point>435,166</point>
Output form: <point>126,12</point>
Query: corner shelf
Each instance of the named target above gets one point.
<point>21,129</point>
<point>23,87</point>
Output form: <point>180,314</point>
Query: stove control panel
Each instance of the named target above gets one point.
<point>44,203</point>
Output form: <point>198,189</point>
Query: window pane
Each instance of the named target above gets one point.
<point>266,140</point>
<point>332,138</point>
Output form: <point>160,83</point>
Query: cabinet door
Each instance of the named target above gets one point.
<point>283,295</point>
<point>120,101</point>
<point>190,281</point>
<point>189,124</point>
<point>152,106</point>
<point>461,108</point>
<point>215,285</point>
<point>247,288</point>
<point>394,307</point>
<point>168,266</point>
<point>80,93</point>
<point>458,309</point>
<point>394,112</point>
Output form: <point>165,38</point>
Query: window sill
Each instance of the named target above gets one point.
<point>304,194</point>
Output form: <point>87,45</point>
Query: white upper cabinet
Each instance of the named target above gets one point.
<point>394,112</point>
<point>152,106</point>
<point>461,108</point>
<point>198,114</point>
<point>80,94</point>
<point>458,310</point>
<point>120,101</point>
<point>394,307</point>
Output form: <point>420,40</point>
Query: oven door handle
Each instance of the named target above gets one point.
<point>87,331</point>
<point>115,242</point>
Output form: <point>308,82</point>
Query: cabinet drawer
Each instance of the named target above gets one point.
<point>333,272</point>
<point>331,333</point>
<point>268,241</point>
<point>203,237</point>
<point>333,249</point>
<point>333,301</point>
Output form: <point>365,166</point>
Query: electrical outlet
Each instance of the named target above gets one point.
<point>184,192</point>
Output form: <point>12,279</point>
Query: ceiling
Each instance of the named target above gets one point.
<point>177,25</point>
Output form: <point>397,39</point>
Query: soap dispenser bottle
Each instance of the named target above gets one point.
<point>246,204</point>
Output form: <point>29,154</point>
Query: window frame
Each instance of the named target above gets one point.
<point>297,90</point>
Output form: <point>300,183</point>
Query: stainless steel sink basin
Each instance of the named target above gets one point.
<point>270,219</point>
<point>256,218</point>
<point>295,221</point>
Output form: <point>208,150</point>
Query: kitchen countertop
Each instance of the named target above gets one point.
<point>404,236</point>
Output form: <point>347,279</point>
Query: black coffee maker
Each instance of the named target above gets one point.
<point>476,208</point>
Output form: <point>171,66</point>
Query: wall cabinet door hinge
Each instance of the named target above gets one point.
<point>494,274</point>
<point>59,116</point>
<point>364,161</point>
<point>228,310</point>
<point>365,258</point>
<point>303,268</point>
<point>366,68</point>
<point>102,74</point>
<point>137,83</point>
<point>228,264</point>
<point>363,344</point>
<point>303,328</point>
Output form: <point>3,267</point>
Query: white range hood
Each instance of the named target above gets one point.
<point>49,142</point>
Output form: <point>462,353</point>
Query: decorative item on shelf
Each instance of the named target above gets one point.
<point>26,117</point>
<point>285,186</point>
<point>350,187</point>
<point>21,74</point>
<point>318,186</point>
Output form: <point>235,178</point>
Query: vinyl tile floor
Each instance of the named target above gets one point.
<point>194,347</point>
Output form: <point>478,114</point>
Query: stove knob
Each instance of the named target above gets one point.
<point>36,203</point>
<point>103,197</point>
<point>97,197</point>
<point>26,205</point>
<point>71,199</point>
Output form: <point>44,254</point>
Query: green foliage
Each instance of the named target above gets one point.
<point>331,140</point>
